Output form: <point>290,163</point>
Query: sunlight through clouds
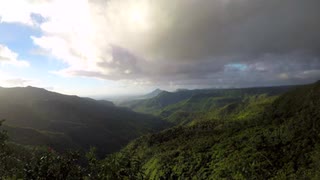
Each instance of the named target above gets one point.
<point>178,41</point>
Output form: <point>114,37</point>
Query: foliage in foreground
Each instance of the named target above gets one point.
<point>280,142</point>
<point>263,138</point>
<point>20,162</point>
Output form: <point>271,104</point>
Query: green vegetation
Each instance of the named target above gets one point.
<point>35,116</point>
<point>263,138</point>
<point>21,162</point>
<point>185,106</point>
<point>237,134</point>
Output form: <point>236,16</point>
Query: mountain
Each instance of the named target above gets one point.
<point>63,121</point>
<point>269,135</point>
<point>152,94</point>
<point>122,100</point>
<point>181,107</point>
<point>280,141</point>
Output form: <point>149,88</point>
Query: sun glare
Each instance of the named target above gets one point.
<point>139,17</point>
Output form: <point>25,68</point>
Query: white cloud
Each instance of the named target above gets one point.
<point>15,11</point>
<point>9,80</point>
<point>16,82</point>
<point>81,33</point>
<point>164,40</point>
<point>8,57</point>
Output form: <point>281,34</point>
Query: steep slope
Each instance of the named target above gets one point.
<point>84,121</point>
<point>152,94</point>
<point>35,137</point>
<point>282,142</point>
<point>188,104</point>
<point>125,100</point>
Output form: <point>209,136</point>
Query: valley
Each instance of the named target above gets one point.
<point>35,116</point>
<point>258,133</point>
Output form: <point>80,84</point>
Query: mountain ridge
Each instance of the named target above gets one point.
<point>110,127</point>
<point>189,101</point>
<point>152,94</point>
<point>281,142</point>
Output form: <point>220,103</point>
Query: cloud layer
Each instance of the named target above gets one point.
<point>8,57</point>
<point>184,43</point>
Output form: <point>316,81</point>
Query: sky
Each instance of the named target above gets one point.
<point>122,47</point>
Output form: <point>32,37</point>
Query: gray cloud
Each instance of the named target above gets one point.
<point>268,69</point>
<point>202,29</point>
<point>207,43</point>
<point>189,29</point>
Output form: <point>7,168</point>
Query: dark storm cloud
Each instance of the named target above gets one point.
<point>202,29</point>
<point>201,43</point>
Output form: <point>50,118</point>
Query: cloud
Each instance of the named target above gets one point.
<point>195,30</point>
<point>16,82</point>
<point>11,81</point>
<point>182,42</point>
<point>8,57</point>
<point>8,80</point>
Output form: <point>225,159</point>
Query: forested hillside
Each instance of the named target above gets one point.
<point>184,106</point>
<point>262,136</point>
<point>35,116</point>
<point>281,141</point>
<point>233,91</point>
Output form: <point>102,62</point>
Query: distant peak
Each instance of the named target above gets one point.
<point>178,90</point>
<point>152,94</point>
<point>31,87</point>
<point>157,90</point>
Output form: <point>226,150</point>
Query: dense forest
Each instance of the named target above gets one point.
<point>35,116</point>
<point>159,89</point>
<point>256,133</point>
